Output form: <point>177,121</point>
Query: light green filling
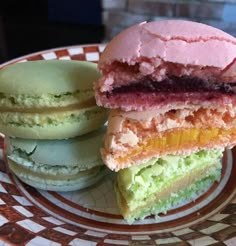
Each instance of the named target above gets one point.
<point>139,184</point>
<point>163,205</point>
<point>44,100</point>
<point>41,120</point>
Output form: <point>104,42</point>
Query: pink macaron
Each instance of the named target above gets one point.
<point>159,64</point>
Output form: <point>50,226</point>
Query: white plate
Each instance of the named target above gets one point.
<point>91,217</point>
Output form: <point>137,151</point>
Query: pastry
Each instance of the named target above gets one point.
<point>51,99</point>
<point>57,165</point>
<point>170,86</point>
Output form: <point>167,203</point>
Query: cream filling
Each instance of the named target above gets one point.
<point>45,119</point>
<point>44,100</point>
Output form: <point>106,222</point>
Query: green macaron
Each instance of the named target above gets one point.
<point>49,99</point>
<point>57,165</point>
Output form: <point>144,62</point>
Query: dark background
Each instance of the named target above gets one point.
<point>28,26</point>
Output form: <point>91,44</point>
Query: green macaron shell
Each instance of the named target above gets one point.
<point>48,76</point>
<point>75,152</point>
<point>47,83</point>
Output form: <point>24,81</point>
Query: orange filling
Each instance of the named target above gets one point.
<point>182,139</point>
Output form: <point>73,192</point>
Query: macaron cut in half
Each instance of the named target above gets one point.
<point>166,65</point>
<point>57,165</point>
<point>51,99</point>
<point>171,86</point>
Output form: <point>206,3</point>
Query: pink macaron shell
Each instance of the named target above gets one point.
<point>197,52</point>
<point>178,41</point>
<point>123,47</point>
<point>186,30</point>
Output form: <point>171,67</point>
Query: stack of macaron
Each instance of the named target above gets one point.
<point>171,88</point>
<point>50,119</point>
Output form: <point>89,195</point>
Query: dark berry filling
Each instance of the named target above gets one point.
<point>177,85</point>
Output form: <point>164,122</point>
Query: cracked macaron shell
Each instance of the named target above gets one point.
<point>59,153</point>
<point>178,41</point>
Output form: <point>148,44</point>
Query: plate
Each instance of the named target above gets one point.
<point>91,217</point>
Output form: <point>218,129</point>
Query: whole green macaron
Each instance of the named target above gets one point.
<point>57,165</point>
<point>49,99</point>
